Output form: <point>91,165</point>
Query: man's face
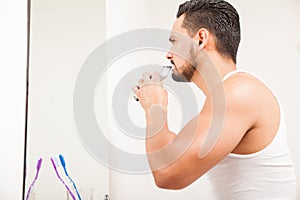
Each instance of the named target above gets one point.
<point>182,54</point>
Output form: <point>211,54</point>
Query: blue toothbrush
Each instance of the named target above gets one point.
<point>63,163</point>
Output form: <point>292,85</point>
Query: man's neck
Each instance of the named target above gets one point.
<point>211,72</point>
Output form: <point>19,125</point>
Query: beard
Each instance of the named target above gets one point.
<point>186,75</point>
<point>188,68</point>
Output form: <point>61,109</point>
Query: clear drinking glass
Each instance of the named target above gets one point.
<point>31,196</point>
<point>85,194</point>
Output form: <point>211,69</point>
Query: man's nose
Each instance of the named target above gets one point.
<point>169,55</point>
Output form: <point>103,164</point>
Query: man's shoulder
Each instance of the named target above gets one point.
<point>246,87</point>
<point>247,95</point>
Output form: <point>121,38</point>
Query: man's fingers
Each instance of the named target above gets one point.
<point>135,89</point>
<point>146,77</point>
<point>156,77</point>
<point>141,82</point>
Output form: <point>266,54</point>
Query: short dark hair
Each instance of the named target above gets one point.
<point>217,16</point>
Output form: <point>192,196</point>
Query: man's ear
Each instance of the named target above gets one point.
<point>202,36</point>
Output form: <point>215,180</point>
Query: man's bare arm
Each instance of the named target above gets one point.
<point>175,160</point>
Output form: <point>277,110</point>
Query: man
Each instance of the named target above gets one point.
<point>246,156</point>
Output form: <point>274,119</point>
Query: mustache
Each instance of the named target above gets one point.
<point>172,62</point>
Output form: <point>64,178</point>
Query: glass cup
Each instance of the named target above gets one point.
<point>31,196</point>
<point>85,194</point>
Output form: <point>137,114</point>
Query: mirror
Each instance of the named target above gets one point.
<point>63,34</point>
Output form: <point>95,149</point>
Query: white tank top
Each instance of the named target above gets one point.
<point>267,174</point>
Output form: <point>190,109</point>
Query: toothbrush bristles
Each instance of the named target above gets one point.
<point>56,161</point>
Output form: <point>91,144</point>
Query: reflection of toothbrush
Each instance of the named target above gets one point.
<point>38,167</point>
<point>63,163</point>
<point>164,72</point>
<point>56,164</point>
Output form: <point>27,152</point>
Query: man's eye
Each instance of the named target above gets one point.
<point>172,40</point>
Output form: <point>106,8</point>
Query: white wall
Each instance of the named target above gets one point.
<point>13,51</point>
<point>270,47</point>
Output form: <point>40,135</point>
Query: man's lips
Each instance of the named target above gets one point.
<point>174,68</point>
<point>173,65</point>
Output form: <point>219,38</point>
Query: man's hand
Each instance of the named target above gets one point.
<point>151,92</point>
